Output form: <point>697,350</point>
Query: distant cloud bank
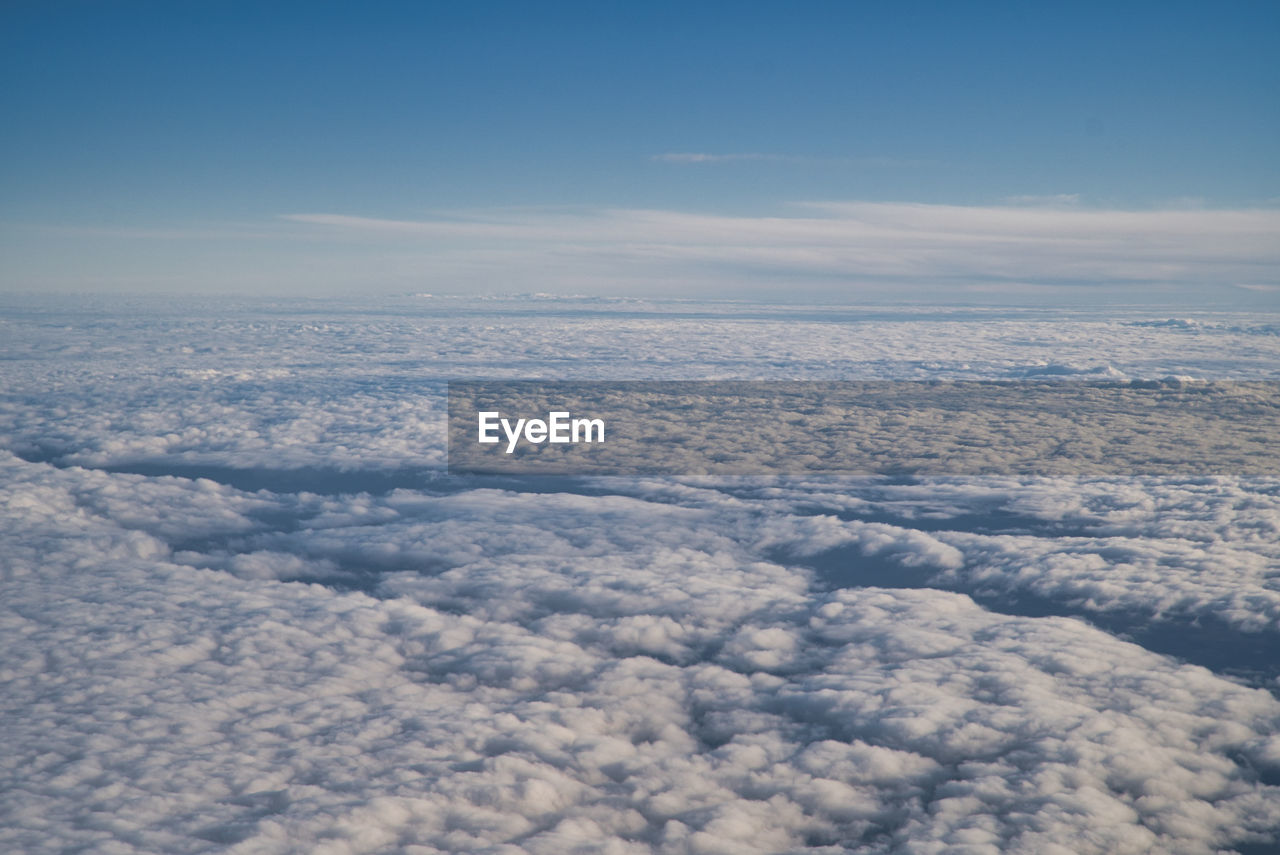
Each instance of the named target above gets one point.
<point>851,247</point>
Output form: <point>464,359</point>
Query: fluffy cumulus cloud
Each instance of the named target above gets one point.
<point>244,611</point>
<point>1206,550</point>
<point>626,680</point>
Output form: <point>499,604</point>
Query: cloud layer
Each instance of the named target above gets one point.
<point>626,679</point>
<point>368,656</point>
<point>834,247</point>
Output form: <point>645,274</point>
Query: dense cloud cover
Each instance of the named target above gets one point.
<point>369,656</point>
<point>323,384</point>
<point>1044,427</point>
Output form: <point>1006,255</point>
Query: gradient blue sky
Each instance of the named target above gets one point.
<point>199,145</point>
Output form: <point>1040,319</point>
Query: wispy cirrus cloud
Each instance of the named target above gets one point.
<point>1050,199</point>
<point>701,157</point>
<point>704,157</point>
<point>837,246</point>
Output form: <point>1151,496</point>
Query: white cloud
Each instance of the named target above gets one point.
<point>604,672</point>
<point>1050,199</point>
<point>703,157</point>
<point>340,386</point>
<point>1144,551</point>
<point>833,247</point>
<point>653,667</point>
<point>869,162</point>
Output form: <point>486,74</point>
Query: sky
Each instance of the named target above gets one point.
<point>337,147</point>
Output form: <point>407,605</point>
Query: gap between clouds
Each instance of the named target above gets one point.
<point>840,243</point>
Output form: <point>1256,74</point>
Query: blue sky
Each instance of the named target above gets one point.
<point>150,141</point>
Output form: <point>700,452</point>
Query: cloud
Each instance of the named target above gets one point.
<point>1138,554</point>
<point>702,157</point>
<point>605,672</point>
<point>833,247</point>
<point>351,388</point>
<point>1052,199</point>
<point>1038,426</point>
<point>870,162</point>
<point>366,656</point>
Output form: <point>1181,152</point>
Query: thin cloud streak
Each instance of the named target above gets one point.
<point>703,157</point>
<point>844,242</point>
<point>699,157</point>
<point>1051,199</point>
